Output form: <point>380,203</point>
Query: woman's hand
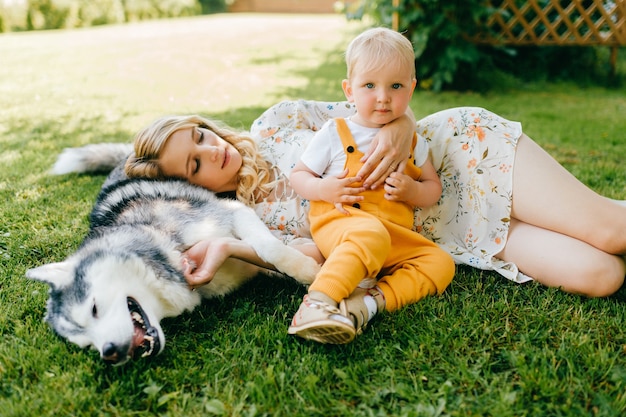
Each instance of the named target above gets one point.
<point>389,151</point>
<point>202,260</point>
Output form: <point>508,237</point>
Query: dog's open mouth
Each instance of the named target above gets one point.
<point>146,338</point>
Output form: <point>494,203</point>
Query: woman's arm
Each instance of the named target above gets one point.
<point>203,259</point>
<point>389,151</point>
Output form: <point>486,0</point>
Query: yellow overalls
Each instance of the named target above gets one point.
<point>376,240</point>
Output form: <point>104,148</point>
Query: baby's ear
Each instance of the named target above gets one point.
<point>347,90</point>
<point>56,274</point>
<point>413,84</point>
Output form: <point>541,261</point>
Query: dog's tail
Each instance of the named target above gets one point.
<point>89,159</point>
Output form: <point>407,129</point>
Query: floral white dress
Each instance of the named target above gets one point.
<point>472,149</point>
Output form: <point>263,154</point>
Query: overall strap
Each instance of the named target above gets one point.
<point>347,140</point>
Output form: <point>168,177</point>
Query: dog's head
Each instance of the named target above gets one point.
<point>112,302</point>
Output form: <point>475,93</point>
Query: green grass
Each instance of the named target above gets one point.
<point>487,347</point>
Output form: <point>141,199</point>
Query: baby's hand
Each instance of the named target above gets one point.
<point>399,187</point>
<point>342,210</point>
<point>338,191</point>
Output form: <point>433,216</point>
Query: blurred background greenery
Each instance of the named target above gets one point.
<point>441,31</point>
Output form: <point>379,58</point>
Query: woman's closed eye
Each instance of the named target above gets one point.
<point>195,170</point>
<point>196,160</point>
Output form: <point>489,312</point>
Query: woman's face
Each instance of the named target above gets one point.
<point>202,158</point>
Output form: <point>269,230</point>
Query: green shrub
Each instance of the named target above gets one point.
<point>66,14</point>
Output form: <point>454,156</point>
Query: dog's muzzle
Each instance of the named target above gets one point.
<point>145,341</point>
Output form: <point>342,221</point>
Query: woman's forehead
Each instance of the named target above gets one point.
<point>176,151</point>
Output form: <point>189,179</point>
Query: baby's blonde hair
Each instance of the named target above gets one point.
<point>378,47</point>
<point>253,177</point>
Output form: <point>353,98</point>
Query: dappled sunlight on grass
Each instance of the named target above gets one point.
<point>215,63</point>
<point>487,346</point>
<point>9,157</point>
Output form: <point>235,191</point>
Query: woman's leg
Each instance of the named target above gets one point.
<point>557,260</point>
<point>546,195</point>
<point>562,233</point>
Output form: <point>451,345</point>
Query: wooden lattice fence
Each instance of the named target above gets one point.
<point>555,22</point>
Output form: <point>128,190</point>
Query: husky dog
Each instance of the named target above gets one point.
<point>127,274</point>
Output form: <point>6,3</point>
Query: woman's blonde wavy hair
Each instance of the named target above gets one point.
<point>254,175</point>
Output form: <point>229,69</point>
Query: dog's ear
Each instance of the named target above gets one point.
<point>57,274</point>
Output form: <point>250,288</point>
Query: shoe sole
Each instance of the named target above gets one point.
<point>329,332</point>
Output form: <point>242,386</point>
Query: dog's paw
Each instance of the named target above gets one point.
<point>300,267</point>
<point>307,270</point>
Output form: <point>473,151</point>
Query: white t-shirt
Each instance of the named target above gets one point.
<point>325,155</point>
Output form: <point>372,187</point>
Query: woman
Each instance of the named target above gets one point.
<point>506,206</point>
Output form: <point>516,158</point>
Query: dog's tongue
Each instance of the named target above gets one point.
<point>138,337</point>
<point>145,342</point>
<point>145,337</point>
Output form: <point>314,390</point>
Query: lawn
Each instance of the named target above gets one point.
<point>487,347</point>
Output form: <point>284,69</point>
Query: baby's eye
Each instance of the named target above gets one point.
<point>396,86</point>
<point>369,85</point>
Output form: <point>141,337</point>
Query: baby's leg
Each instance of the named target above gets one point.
<point>557,260</point>
<point>415,268</point>
<point>355,248</point>
<point>546,195</point>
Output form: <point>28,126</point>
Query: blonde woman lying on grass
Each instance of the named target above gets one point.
<point>506,204</point>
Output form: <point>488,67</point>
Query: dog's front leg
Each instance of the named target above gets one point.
<point>249,228</point>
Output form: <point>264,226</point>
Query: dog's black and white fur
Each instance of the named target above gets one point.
<point>126,276</point>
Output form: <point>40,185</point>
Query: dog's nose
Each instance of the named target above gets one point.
<point>114,354</point>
